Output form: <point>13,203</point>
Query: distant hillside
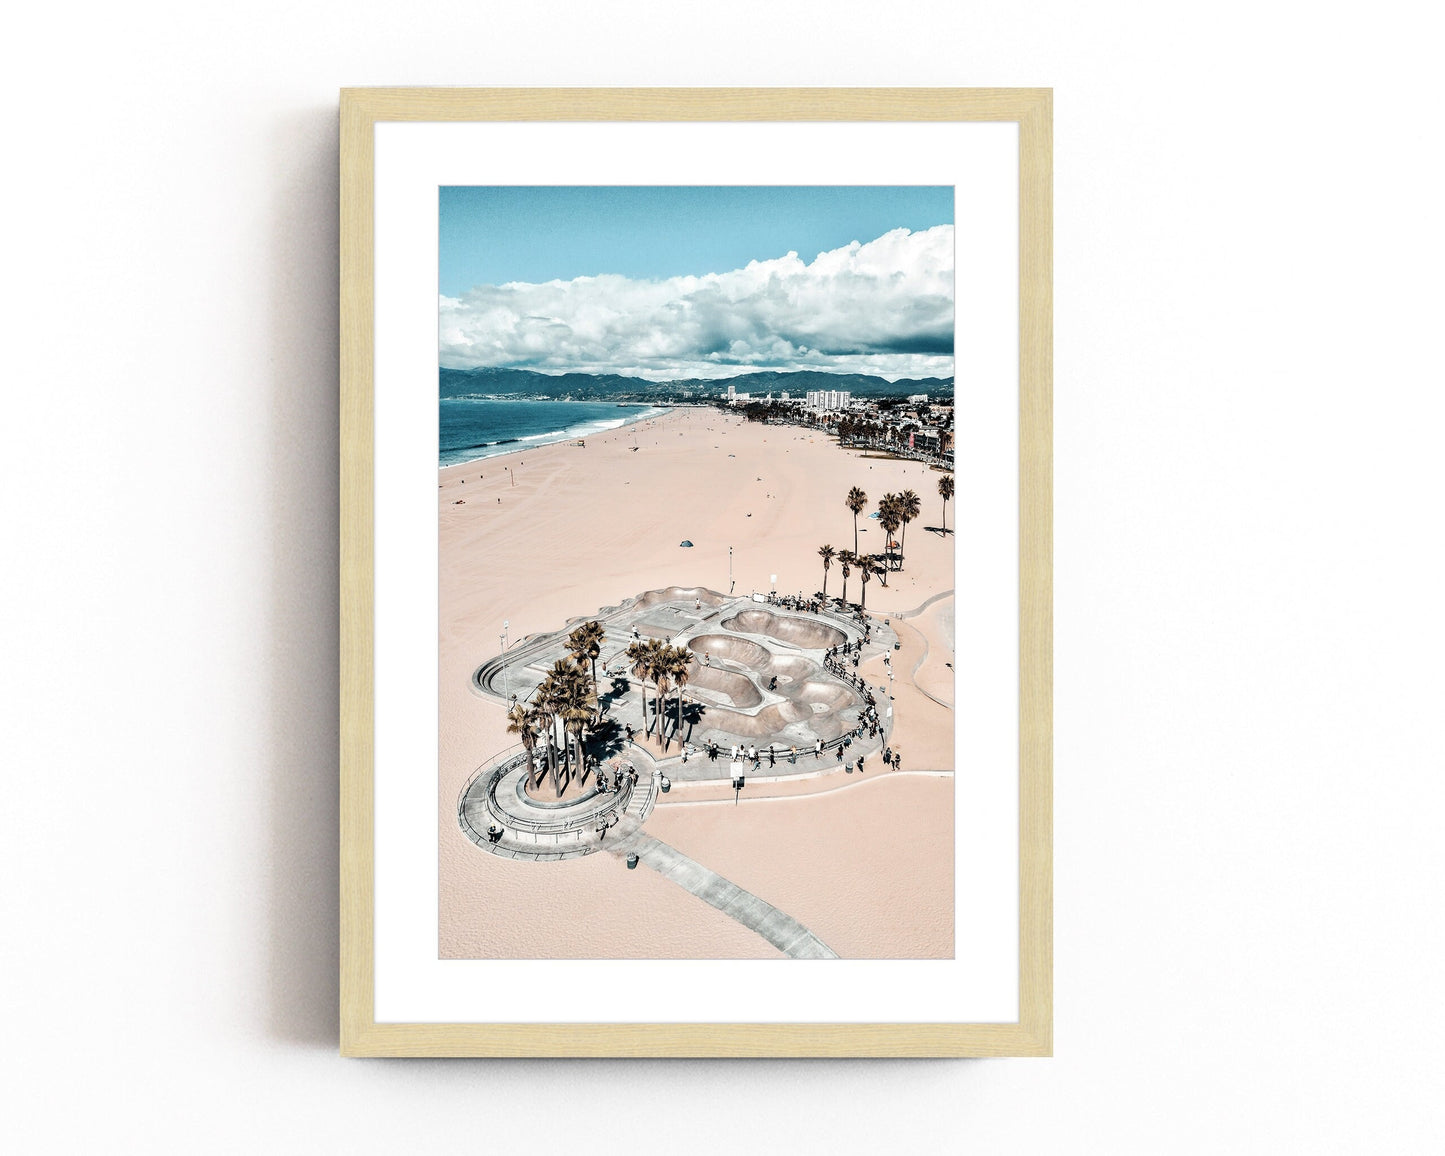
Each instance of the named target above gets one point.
<point>612,387</point>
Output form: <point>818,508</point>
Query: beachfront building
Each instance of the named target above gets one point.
<point>828,400</point>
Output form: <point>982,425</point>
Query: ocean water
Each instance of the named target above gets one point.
<point>473,428</point>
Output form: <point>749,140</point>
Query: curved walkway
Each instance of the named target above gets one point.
<point>777,927</point>
<point>917,666</point>
<point>924,605</point>
<point>497,814</point>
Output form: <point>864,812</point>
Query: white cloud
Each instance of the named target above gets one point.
<point>884,307</point>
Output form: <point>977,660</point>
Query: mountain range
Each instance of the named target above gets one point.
<point>525,383</point>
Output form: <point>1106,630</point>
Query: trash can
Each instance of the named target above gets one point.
<point>632,861</point>
<point>666,784</point>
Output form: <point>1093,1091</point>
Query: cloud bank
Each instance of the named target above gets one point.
<point>885,307</point>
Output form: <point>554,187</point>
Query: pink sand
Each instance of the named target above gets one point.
<point>585,528</point>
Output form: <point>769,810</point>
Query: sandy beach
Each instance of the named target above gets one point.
<point>549,534</point>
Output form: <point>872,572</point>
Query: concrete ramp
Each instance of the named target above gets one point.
<point>806,634</point>
<point>777,927</point>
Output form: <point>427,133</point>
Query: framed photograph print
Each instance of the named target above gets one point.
<point>696,556</point>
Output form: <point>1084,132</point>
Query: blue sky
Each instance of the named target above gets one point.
<point>684,282</point>
<point>491,235</point>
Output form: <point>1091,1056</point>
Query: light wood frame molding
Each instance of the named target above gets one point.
<point>1032,110</point>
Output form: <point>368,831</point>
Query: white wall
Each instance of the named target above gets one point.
<point>1248,561</point>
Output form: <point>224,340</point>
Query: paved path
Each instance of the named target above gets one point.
<point>913,674</point>
<point>924,605</point>
<point>777,927</point>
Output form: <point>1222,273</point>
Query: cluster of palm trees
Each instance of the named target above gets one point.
<point>860,430</point>
<point>895,512</point>
<point>567,700</point>
<point>848,561</point>
<point>667,668</point>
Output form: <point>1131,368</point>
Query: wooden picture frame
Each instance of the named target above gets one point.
<point>361,111</point>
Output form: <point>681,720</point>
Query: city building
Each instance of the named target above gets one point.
<point>826,400</point>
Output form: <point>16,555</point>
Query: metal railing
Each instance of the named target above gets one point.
<point>616,804</point>
<point>500,765</point>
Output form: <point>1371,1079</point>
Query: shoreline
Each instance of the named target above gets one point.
<point>555,437</point>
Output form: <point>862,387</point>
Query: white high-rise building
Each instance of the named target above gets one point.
<point>825,400</point>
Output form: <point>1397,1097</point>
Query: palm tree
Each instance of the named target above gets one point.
<point>846,561</point>
<point>827,553</point>
<point>909,507</point>
<point>549,699</point>
<point>520,723</point>
<point>640,654</point>
<point>866,570</point>
<point>856,501</point>
<point>578,707</point>
<point>680,667</point>
<point>890,518</point>
<point>662,679</point>
<point>945,491</point>
<point>585,643</point>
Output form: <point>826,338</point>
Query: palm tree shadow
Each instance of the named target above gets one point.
<point>617,690</point>
<point>692,714</point>
<point>606,739</point>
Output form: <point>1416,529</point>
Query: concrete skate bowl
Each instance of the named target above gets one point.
<point>757,658</point>
<point>792,668</point>
<point>736,689</point>
<point>799,632</point>
<point>783,724</point>
<point>730,649</point>
<point>693,594</point>
<point>824,697</point>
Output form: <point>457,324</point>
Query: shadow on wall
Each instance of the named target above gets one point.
<point>301,765</point>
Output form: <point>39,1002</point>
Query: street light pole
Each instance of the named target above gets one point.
<point>730,569</point>
<point>506,685</point>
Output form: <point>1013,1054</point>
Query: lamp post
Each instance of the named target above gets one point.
<point>730,569</point>
<point>506,685</point>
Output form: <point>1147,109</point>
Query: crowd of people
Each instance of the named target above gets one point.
<point>817,605</point>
